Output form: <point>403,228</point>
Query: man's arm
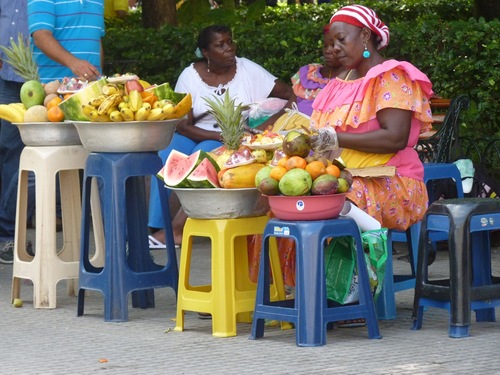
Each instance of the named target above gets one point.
<point>82,69</point>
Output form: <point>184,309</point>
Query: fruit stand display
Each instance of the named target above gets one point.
<point>275,165</point>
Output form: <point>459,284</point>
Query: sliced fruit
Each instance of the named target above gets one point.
<point>72,106</point>
<point>179,166</point>
<point>204,175</point>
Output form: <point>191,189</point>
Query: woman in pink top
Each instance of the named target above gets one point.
<point>375,116</point>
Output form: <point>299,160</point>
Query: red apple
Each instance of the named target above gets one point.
<point>133,84</point>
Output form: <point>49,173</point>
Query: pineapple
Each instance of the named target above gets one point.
<point>20,57</point>
<point>229,117</point>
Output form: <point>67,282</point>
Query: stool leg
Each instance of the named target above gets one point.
<point>460,282</point>
<point>20,235</point>
<point>137,234</point>
<point>71,217</point>
<point>386,302</point>
<point>310,329</point>
<point>263,285</point>
<point>224,321</point>
<point>481,270</point>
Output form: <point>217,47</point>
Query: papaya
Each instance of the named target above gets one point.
<point>239,177</point>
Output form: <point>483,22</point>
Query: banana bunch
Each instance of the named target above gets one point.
<point>13,112</point>
<point>116,106</point>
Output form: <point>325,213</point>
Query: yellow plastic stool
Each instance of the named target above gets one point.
<point>50,264</point>
<point>231,296</point>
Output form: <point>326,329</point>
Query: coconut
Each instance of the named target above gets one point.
<point>48,98</point>
<point>51,87</point>
<point>36,113</point>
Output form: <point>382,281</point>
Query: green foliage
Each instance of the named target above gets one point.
<point>458,53</point>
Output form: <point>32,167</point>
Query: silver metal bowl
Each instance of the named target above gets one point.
<point>216,203</point>
<point>129,136</point>
<point>48,133</point>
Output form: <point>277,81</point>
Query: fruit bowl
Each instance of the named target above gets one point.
<point>217,203</point>
<point>311,207</point>
<point>48,133</point>
<point>127,136</point>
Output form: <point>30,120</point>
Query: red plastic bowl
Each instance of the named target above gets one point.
<point>313,207</point>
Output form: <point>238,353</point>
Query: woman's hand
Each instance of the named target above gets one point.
<point>324,139</point>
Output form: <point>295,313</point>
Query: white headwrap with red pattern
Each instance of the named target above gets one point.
<point>361,16</point>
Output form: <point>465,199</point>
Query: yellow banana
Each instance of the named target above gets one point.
<point>157,104</point>
<point>97,101</point>
<point>112,109</point>
<point>122,105</point>
<point>142,113</point>
<point>128,114</point>
<point>135,100</point>
<point>19,108</point>
<point>116,116</point>
<point>110,89</point>
<point>168,111</point>
<point>108,103</point>
<point>155,114</point>
<point>86,109</point>
<point>10,114</point>
<point>96,117</point>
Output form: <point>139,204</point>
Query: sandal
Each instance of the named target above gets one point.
<point>351,323</point>
<point>157,244</point>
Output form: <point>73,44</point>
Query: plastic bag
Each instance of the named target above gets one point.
<point>292,119</point>
<point>341,268</point>
<point>262,110</point>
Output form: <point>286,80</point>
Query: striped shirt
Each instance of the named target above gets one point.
<point>78,25</point>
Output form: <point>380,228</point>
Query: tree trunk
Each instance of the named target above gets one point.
<point>156,13</point>
<point>489,9</point>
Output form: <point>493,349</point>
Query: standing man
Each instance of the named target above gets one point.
<point>13,20</point>
<point>116,8</point>
<point>67,37</point>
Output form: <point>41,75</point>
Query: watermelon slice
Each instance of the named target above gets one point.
<point>165,91</point>
<point>179,166</point>
<point>204,175</point>
<point>72,107</point>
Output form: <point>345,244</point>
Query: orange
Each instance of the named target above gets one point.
<point>55,114</point>
<point>282,161</point>
<point>316,168</point>
<point>54,102</point>
<point>333,170</point>
<point>277,172</point>
<point>295,162</point>
<point>66,96</point>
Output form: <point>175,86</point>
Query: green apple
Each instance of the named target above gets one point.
<point>32,93</point>
<point>17,302</point>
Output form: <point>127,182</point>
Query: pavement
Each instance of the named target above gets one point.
<point>56,341</point>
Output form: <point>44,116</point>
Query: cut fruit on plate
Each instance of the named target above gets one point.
<point>263,146</point>
<point>239,158</point>
<point>117,78</point>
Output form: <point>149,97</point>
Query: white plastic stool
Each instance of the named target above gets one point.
<point>50,264</point>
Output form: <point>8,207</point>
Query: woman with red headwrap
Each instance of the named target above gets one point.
<point>374,116</point>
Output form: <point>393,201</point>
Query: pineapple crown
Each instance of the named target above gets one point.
<point>229,118</point>
<point>20,57</point>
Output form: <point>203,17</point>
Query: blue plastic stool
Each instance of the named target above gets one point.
<point>386,301</point>
<point>309,310</point>
<point>128,264</point>
<point>467,223</point>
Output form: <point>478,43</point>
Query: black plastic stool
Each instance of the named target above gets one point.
<point>471,285</point>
